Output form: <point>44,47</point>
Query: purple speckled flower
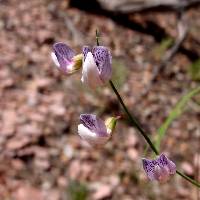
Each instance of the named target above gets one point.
<point>65,59</point>
<point>97,69</point>
<point>159,169</point>
<point>95,131</point>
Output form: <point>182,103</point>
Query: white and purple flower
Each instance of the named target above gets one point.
<point>159,169</point>
<point>97,69</point>
<point>65,59</point>
<point>95,131</point>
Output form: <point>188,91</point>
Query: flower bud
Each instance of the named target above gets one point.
<point>94,130</point>
<point>97,68</point>
<point>159,169</point>
<point>65,58</point>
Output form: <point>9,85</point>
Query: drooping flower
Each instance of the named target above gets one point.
<point>97,69</point>
<point>95,131</point>
<point>159,169</point>
<point>65,59</point>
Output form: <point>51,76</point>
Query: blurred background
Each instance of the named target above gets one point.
<point>155,48</point>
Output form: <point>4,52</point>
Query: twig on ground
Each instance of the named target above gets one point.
<point>60,14</point>
<point>182,29</point>
<point>78,37</point>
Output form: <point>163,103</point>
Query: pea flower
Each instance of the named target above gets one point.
<point>159,169</point>
<point>65,59</point>
<point>95,131</point>
<point>97,68</point>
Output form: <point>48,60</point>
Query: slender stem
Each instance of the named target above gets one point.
<point>144,134</point>
<point>97,37</point>
<point>133,120</point>
<point>188,178</point>
<point>136,124</point>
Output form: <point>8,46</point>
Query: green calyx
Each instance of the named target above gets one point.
<point>111,124</point>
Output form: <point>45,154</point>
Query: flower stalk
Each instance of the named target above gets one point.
<point>133,120</point>
<point>137,125</point>
<point>144,134</point>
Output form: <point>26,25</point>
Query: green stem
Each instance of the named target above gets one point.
<point>188,178</point>
<point>97,37</point>
<point>144,134</point>
<point>133,120</point>
<point>136,124</point>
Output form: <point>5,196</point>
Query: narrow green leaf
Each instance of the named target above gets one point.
<point>194,70</point>
<point>165,44</point>
<point>174,114</point>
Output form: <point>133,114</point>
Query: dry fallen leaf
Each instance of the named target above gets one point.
<point>28,193</point>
